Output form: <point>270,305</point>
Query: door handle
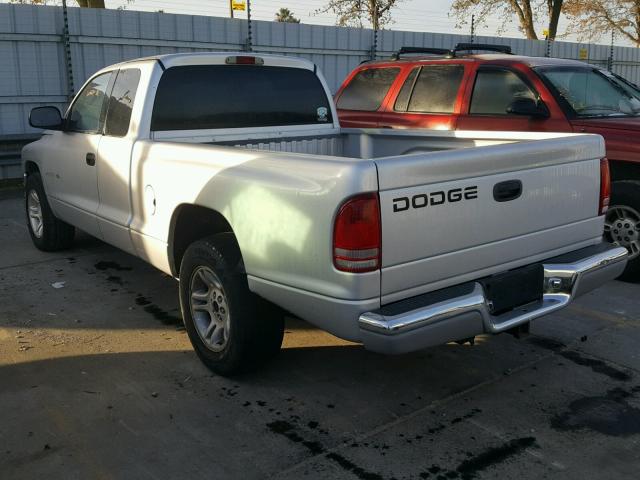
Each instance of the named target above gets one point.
<point>91,159</point>
<point>507,191</point>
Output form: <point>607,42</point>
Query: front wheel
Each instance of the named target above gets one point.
<point>230,328</point>
<point>47,232</point>
<point>622,224</point>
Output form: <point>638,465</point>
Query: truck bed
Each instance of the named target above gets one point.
<point>436,242</point>
<point>356,143</point>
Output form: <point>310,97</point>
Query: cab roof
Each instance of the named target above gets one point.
<point>218,58</point>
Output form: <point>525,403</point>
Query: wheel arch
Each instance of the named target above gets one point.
<point>30,167</point>
<point>190,223</point>
<point>623,170</point>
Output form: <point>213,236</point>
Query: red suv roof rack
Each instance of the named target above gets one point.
<point>460,47</point>
<point>465,47</point>
<point>430,51</point>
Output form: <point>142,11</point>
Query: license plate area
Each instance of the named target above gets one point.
<point>512,289</point>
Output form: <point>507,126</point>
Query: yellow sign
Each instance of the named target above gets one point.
<point>545,32</point>
<point>583,54</point>
<point>239,5</point>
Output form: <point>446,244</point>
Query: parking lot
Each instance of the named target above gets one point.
<point>98,380</point>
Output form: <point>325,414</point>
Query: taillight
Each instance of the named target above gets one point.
<point>244,60</point>
<point>605,187</point>
<point>356,235</point>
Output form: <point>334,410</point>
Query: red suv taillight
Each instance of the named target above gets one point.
<point>356,235</point>
<point>605,187</point>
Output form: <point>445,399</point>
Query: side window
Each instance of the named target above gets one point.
<point>121,102</point>
<point>495,90</point>
<point>367,89</point>
<point>402,100</point>
<point>87,111</point>
<point>435,90</point>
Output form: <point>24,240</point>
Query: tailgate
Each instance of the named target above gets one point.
<point>453,216</point>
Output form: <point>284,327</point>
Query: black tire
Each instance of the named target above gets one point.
<point>55,234</point>
<point>626,193</point>
<point>256,328</point>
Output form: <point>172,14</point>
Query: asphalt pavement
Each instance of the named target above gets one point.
<point>98,381</point>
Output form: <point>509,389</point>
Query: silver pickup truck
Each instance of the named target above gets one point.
<point>231,173</point>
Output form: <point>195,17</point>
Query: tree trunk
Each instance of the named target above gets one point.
<point>525,16</point>
<point>374,14</point>
<point>529,28</point>
<point>555,7</point>
<point>637,24</point>
<point>91,3</point>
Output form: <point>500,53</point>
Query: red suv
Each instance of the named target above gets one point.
<point>500,91</point>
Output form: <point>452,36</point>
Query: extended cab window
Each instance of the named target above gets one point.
<point>87,112</point>
<point>367,89</point>
<point>238,96</point>
<point>495,90</point>
<point>121,102</point>
<point>433,90</point>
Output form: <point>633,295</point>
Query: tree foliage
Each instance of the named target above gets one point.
<point>285,15</point>
<point>529,13</point>
<point>356,13</point>
<point>591,19</point>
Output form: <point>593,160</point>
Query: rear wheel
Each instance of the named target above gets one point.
<point>47,232</point>
<point>230,328</point>
<point>622,224</point>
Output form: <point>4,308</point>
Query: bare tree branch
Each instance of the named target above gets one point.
<point>525,11</point>
<point>356,13</point>
<point>591,19</point>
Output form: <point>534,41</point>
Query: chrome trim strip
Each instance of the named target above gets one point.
<point>562,283</point>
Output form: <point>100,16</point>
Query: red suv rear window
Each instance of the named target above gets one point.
<point>367,89</point>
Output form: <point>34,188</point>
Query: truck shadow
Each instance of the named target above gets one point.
<point>308,401</point>
<point>167,401</point>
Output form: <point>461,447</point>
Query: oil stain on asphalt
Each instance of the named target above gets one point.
<point>594,364</point>
<point>158,313</point>
<point>108,265</point>
<point>165,317</point>
<point>471,467</point>
<point>286,429</point>
<point>609,414</point>
<point>468,469</point>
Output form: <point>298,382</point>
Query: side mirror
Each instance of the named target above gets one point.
<point>48,118</point>
<point>529,108</point>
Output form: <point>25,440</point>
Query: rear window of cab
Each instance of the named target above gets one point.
<point>197,97</point>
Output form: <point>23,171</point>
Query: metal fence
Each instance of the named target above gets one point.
<point>34,69</point>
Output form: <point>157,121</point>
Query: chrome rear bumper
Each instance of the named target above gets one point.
<point>462,312</point>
